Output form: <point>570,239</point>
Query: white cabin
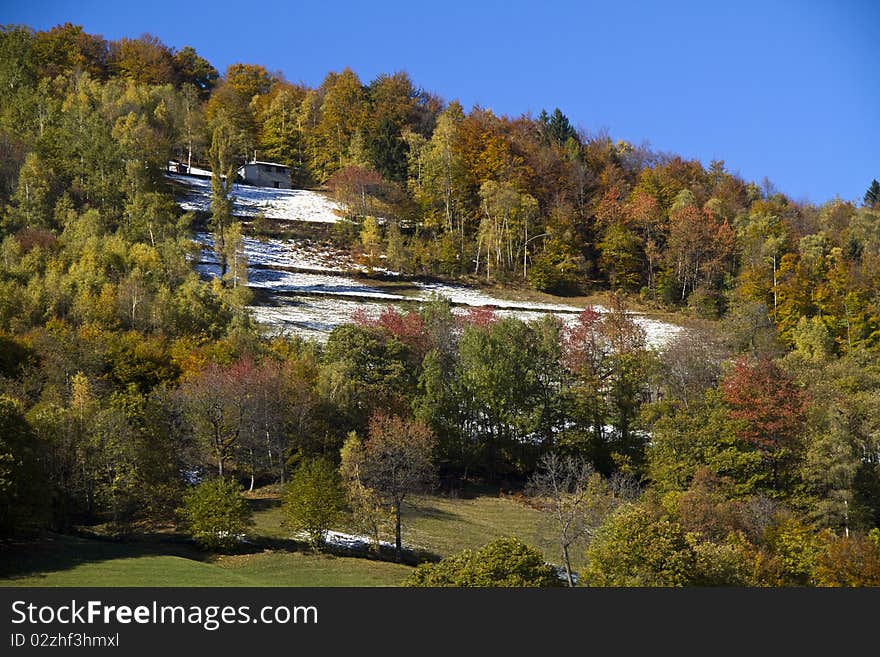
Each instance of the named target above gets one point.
<point>265,174</point>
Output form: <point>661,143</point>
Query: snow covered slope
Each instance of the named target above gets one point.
<point>314,317</point>
<point>287,204</point>
<point>293,254</point>
<point>316,291</point>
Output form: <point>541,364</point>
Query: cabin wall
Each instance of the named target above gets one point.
<point>266,175</point>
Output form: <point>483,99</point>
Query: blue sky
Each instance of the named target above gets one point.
<point>777,88</point>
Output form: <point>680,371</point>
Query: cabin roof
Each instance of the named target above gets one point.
<point>271,164</point>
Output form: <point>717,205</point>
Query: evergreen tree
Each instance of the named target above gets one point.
<point>872,196</point>
<point>387,151</point>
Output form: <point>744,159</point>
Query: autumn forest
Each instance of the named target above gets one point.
<point>137,394</point>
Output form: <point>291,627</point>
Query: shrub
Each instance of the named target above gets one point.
<point>850,561</point>
<point>505,562</point>
<point>797,547</point>
<point>216,514</point>
<point>314,499</point>
<point>637,547</point>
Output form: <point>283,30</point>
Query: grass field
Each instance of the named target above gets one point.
<point>434,524</point>
<point>445,525</point>
<point>73,561</point>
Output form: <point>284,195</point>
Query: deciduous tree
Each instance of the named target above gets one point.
<point>396,460</point>
<point>216,514</point>
<point>769,408</point>
<point>314,500</point>
<point>577,499</point>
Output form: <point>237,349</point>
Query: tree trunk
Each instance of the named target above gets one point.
<point>398,544</point>
<point>775,292</point>
<point>567,566</point>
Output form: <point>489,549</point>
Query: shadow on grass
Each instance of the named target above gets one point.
<point>58,552</point>
<point>424,509</point>
<point>53,553</point>
<point>409,556</point>
<point>258,504</point>
<point>453,488</point>
<point>46,555</point>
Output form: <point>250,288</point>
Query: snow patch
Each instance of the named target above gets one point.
<point>352,542</point>
<point>304,283</point>
<point>319,296</point>
<point>467,296</point>
<point>291,254</point>
<point>180,167</point>
<point>249,201</point>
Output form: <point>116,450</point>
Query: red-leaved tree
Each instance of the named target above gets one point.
<point>408,328</point>
<point>768,406</point>
<point>481,316</point>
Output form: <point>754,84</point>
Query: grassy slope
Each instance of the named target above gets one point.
<point>69,561</point>
<point>439,525</point>
<point>445,525</point>
<point>275,568</point>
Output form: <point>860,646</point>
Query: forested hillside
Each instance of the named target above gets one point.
<point>745,452</point>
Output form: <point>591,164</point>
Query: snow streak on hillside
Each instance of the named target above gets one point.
<point>313,291</point>
<point>295,282</point>
<point>305,258</point>
<point>286,204</point>
<point>291,254</point>
<point>314,317</point>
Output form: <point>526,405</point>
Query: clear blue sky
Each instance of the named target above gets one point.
<point>777,88</point>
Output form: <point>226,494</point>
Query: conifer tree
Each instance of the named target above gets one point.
<point>872,196</point>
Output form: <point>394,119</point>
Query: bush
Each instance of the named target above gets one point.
<point>797,548</point>
<point>637,547</point>
<point>850,561</point>
<point>505,562</point>
<point>216,514</point>
<point>314,499</point>
<point>705,303</point>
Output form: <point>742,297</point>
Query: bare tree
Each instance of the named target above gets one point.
<point>690,364</point>
<point>280,407</point>
<point>354,188</point>
<point>576,498</point>
<point>215,410</point>
<point>248,411</point>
